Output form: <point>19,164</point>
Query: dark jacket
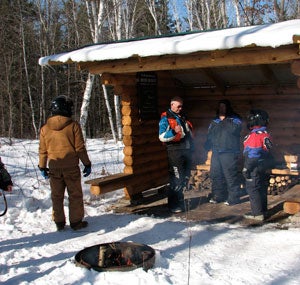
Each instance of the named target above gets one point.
<point>224,135</point>
<point>5,179</point>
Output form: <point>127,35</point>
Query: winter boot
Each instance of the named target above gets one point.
<point>60,226</point>
<point>79,225</point>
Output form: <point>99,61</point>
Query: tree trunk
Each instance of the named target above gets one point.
<point>86,103</point>
<point>152,9</point>
<point>118,116</point>
<point>26,73</point>
<point>109,112</point>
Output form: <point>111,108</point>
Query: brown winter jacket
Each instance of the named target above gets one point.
<point>62,144</point>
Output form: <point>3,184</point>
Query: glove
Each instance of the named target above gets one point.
<point>87,170</point>
<point>246,174</point>
<point>44,172</point>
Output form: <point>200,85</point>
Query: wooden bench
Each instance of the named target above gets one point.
<point>108,183</point>
<point>292,200</point>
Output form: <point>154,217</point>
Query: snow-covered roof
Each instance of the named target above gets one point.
<point>268,35</point>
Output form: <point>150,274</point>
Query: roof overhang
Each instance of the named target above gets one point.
<point>255,55</point>
<point>210,59</point>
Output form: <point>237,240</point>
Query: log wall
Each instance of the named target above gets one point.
<point>283,109</point>
<point>145,156</point>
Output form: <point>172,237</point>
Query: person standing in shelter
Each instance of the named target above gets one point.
<point>223,139</point>
<point>61,147</point>
<point>175,131</point>
<point>257,159</point>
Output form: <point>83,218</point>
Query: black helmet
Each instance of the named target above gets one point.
<point>257,118</point>
<point>62,105</point>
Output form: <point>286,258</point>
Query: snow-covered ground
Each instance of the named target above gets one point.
<point>33,252</point>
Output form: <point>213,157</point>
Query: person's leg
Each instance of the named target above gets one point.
<point>177,178</point>
<point>72,178</point>
<point>219,189</point>
<point>58,186</point>
<point>229,162</point>
<point>264,192</point>
<point>254,188</point>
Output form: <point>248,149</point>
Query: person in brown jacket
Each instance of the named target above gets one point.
<point>61,147</point>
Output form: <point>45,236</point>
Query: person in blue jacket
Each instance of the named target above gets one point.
<point>175,131</point>
<point>223,139</point>
<point>257,159</point>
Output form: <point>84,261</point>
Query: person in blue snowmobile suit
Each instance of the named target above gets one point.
<point>223,139</point>
<point>175,131</point>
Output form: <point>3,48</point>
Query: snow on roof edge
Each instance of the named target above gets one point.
<point>272,35</point>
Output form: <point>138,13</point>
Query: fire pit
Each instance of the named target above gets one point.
<point>116,256</point>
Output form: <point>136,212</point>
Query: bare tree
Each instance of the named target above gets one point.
<point>26,72</point>
<point>151,4</point>
<point>95,13</point>
<point>236,4</point>
<point>176,15</point>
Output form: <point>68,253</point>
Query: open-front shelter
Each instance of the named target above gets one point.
<point>253,67</point>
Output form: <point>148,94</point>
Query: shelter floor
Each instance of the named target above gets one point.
<point>200,210</point>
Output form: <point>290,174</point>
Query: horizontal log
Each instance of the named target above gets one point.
<point>118,79</point>
<point>131,160</point>
<point>135,121</point>
<point>233,57</point>
<point>159,166</point>
<point>139,140</point>
<point>144,128</point>
<point>143,149</point>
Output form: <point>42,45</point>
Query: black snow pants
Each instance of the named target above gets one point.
<point>225,177</point>
<point>179,173</point>
<point>257,190</point>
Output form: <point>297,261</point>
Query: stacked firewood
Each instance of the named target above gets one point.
<point>199,179</point>
<point>279,184</point>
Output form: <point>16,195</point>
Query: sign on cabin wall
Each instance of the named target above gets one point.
<point>147,95</point>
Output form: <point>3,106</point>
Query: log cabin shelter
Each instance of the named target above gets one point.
<point>253,67</point>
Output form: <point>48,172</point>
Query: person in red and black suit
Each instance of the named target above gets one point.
<point>257,159</point>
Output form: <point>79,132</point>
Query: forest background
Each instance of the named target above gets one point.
<point>30,29</point>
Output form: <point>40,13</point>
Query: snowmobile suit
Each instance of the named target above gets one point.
<point>256,161</point>
<point>179,148</point>
<point>223,139</point>
<point>62,146</point>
